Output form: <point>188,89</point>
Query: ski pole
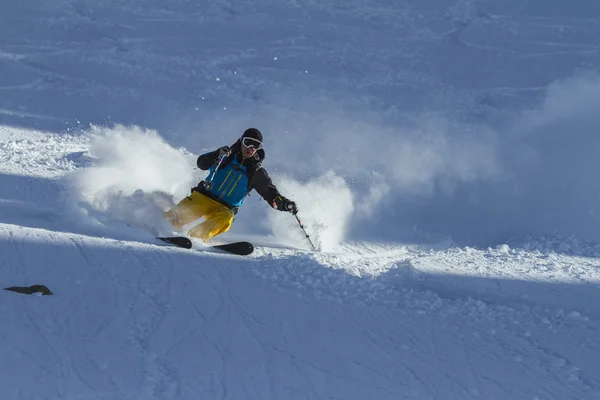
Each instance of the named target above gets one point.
<point>304,230</point>
<point>223,157</point>
<point>208,182</point>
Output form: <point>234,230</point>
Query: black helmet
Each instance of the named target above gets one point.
<point>253,133</point>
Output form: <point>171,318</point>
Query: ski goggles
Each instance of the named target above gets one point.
<point>251,143</point>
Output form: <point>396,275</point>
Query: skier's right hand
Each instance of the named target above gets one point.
<point>207,160</point>
<point>283,204</point>
<point>224,151</point>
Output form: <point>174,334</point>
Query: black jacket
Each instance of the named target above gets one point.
<point>258,177</point>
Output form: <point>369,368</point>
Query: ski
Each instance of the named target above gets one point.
<point>177,241</point>
<point>237,248</point>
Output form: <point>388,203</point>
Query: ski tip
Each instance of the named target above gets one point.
<point>248,245</point>
<point>177,241</point>
<point>238,248</point>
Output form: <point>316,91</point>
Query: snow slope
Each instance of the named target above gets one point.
<point>466,269</point>
<point>133,319</point>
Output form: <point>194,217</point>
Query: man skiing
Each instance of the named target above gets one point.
<point>233,172</point>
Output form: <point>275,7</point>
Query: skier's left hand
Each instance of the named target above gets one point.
<point>283,204</point>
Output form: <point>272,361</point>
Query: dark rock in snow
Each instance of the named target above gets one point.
<point>30,290</point>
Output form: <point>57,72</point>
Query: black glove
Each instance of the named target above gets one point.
<point>207,160</point>
<point>283,204</point>
<point>224,151</point>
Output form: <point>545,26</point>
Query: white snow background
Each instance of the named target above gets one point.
<point>443,155</point>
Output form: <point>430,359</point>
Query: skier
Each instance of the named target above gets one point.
<point>235,171</point>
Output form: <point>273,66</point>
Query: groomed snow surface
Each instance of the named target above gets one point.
<point>466,266</point>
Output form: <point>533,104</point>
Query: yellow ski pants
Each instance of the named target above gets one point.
<point>217,217</point>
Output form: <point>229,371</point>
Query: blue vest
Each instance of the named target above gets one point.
<point>230,183</point>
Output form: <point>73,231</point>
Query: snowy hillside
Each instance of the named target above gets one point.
<point>442,156</point>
